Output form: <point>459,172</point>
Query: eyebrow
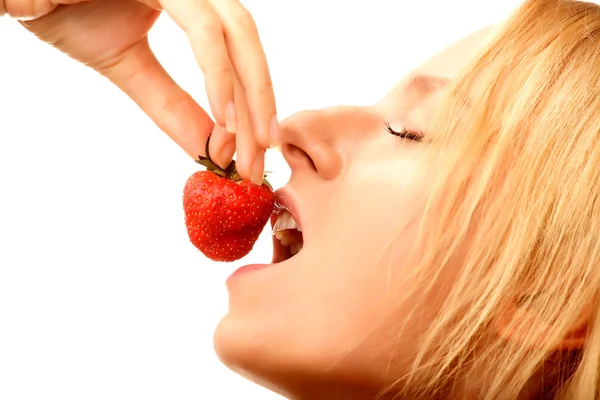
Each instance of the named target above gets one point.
<point>425,84</point>
<point>416,92</point>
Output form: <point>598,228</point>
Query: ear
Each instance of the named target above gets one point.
<point>512,323</point>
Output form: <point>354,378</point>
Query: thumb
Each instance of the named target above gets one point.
<point>140,75</point>
<point>29,10</point>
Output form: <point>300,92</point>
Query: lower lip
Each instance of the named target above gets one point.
<point>247,269</point>
<point>254,267</point>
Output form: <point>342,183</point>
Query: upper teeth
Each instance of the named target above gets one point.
<point>284,222</point>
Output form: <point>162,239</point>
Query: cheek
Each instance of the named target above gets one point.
<point>373,216</point>
<point>336,308</point>
<point>371,232</point>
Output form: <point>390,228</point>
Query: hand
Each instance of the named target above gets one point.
<point>111,37</point>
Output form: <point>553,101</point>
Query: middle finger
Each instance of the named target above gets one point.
<point>250,65</point>
<point>250,156</point>
<point>204,29</point>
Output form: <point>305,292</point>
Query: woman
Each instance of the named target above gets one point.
<point>450,233</point>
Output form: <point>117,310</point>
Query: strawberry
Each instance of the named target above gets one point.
<point>224,214</point>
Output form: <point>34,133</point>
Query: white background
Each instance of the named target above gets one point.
<point>101,294</point>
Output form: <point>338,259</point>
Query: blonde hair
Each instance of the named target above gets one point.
<point>517,201</point>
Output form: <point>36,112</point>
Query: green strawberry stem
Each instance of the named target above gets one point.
<point>230,172</point>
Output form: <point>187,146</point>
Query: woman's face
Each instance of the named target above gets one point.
<point>329,317</point>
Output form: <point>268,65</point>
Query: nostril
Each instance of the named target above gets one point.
<point>299,156</point>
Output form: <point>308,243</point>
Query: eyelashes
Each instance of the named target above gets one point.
<point>415,136</point>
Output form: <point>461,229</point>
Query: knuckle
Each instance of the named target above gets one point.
<point>208,26</point>
<point>266,88</point>
<point>262,89</point>
<point>242,19</point>
<point>220,73</point>
<point>26,9</point>
<point>172,105</point>
<point>224,70</point>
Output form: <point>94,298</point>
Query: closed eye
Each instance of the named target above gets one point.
<point>404,133</point>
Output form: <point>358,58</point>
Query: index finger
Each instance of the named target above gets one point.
<point>204,30</point>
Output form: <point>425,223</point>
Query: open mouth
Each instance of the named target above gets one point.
<point>287,235</point>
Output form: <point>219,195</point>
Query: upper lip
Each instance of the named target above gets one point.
<point>283,199</point>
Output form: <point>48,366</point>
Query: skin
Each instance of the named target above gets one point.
<point>110,36</point>
<point>325,324</point>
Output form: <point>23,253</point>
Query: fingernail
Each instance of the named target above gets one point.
<point>258,170</point>
<point>230,118</point>
<point>226,154</point>
<point>274,132</point>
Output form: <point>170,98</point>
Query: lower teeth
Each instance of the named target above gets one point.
<point>285,238</point>
<point>290,238</point>
<point>295,248</point>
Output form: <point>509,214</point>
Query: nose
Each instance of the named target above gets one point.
<point>318,140</point>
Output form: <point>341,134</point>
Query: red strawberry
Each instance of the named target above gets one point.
<point>224,214</point>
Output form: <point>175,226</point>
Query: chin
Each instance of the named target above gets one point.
<point>235,349</point>
<point>295,371</point>
<point>243,350</point>
<point>264,341</point>
<point>244,340</point>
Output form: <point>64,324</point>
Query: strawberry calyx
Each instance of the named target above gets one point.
<point>230,172</point>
